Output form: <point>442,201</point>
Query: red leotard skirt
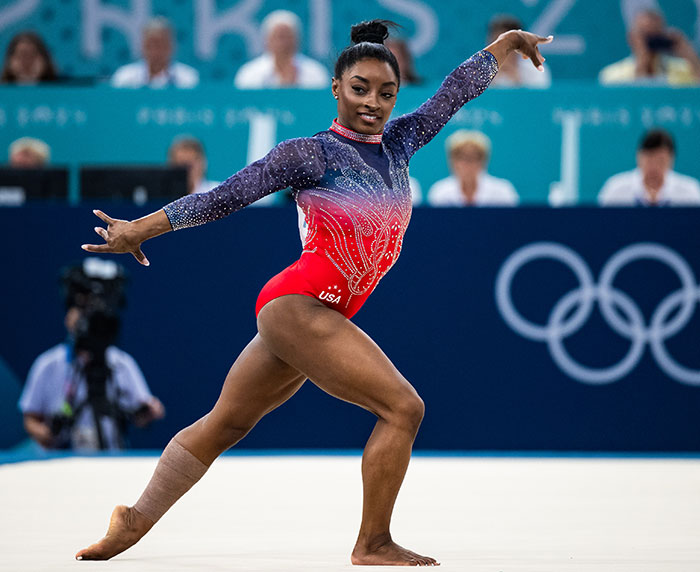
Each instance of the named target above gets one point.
<point>315,276</point>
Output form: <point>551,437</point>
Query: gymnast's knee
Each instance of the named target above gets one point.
<point>226,434</point>
<point>408,411</point>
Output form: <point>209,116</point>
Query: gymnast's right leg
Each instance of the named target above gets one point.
<point>257,383</point>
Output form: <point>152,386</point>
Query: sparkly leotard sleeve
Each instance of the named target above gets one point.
<point>466,82</point>
<point>352,189</point>
<point>296,163</point>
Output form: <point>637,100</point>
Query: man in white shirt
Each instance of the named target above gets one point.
<point>470,185</point>
<point>156,69</point>
<point>281,65</point>
<point>187,151</point>
<point>653,182</point>
<point>81,394</point>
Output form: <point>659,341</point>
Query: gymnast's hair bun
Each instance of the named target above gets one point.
<point>372,31</point>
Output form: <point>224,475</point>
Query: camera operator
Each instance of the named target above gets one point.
<point>660,55</point>
<point>83,393</point>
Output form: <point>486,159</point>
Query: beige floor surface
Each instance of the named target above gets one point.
<point>286,513</point>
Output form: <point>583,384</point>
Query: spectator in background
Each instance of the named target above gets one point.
<point>157,68</point>
<point>516,71</point>
<point>470,185</point>
<point>281,65</point>
<point>29,153</point>
<point>402,53</point>
<point>81,393</point>
<point>27,61</point>
<point>187,151</point>
<point>653,182</point>
<point>660,55</point>
<point>416,191</point>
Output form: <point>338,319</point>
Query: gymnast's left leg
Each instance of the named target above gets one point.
<point>257,383</point>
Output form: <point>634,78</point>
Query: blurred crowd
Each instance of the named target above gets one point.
<point>659,55</point>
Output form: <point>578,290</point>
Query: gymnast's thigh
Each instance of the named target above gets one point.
<point>257,383</point>
<point>334,353</point>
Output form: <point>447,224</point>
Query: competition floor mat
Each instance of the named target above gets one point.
<point>301,513</point>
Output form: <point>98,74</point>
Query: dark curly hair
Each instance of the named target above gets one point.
<point>49,73</point>
<point>368,43</point>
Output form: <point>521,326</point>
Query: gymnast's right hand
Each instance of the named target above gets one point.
<point>120,236</point>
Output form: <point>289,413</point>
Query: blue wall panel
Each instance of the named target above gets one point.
<point>435,314</point>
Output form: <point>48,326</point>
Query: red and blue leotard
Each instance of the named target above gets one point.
<point>352,189</point>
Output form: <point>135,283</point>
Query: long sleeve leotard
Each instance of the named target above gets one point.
<point>353,190</point>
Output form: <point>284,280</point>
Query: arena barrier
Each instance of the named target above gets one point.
<point>523,329</point>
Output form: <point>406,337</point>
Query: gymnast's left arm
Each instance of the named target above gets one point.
<point>466,82</point>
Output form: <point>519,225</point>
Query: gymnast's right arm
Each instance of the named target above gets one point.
<point>297,163</point>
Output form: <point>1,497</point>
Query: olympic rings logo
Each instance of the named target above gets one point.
<point>618,309</point>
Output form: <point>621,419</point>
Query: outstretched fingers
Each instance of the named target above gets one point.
<point>118,237</point>
<point>532,53</point>
<point>96,247</point>
<point>141,257</point>
<point>102,232</point>
<point>535,54</point>
<point>106,248</point>
<point>103,216</point>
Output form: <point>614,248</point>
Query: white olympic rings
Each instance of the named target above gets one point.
<point>621,313</point>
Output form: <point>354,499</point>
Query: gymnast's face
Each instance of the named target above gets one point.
<point>366,94</point>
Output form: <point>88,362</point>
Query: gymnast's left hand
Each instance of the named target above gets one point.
<point>522,42</point>
<point>120,236</point>
<point>527,45</point>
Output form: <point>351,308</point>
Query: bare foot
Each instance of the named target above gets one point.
<point>389,554</point>
<point>126,527</point>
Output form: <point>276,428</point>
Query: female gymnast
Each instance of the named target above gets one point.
<point>351,183</point>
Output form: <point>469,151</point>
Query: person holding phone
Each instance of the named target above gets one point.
<point>660,55</point>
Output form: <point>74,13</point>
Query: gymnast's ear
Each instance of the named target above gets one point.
<point>335,87</point>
